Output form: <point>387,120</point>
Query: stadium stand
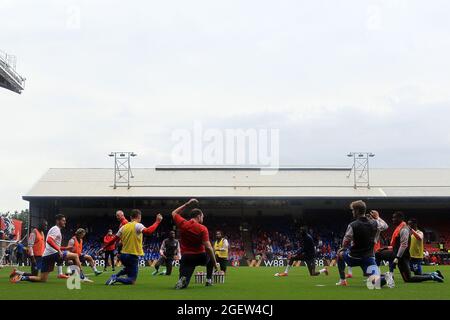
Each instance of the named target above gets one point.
<point>265,237</point>
<point>271,237</point>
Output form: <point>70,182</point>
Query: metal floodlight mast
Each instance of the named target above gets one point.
<point>122,168</point>
<point>9,78</point>
<point>360,168</point>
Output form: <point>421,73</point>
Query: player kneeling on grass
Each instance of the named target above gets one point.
<point>398,253</point>
<point>358,245</point>
<point>53,253</point>
<point>36,247</point>
<point>169,251</point>
<point>307,254</point>
<point>131,235</point>
<point>75,246</point>
<point>221,246</point>
<point>196,249</point>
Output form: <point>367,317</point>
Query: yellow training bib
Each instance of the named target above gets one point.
<point>416,248</point>
<point>220,253</point>
<point>131,241</point>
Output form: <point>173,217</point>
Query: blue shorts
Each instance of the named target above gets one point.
<point>36,267</point>
<point>416,266</point>
<point>367,264</point>
<point>48,262</point>
<point>130,263</point>
<point>82,258</point>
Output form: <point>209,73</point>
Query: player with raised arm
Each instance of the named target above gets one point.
<point>400,242</point>
<point>53,253</point>
<point>307,254</point>
<point>131,236</point>
<point>358,244</point>
<point>196,249</point>
<point>169,251</point>
<point>382,226</point>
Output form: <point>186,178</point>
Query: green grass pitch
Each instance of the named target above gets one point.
<point>241,283</point>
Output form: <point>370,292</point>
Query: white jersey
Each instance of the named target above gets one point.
<point>55,233</point>
<point>139,228</point>
<point>381,226</point>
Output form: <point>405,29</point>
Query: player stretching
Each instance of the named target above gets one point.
<point>75,245</point>
<point>382,226</point>
<point>307,254</point>
<point>416,247</point>
<point>36,247</point>
<point>196,249</point>
<point>358,244</point>
<point>169,251</point>
<point>131,236</point>
<point>401,240</point>
<point>53,253</point>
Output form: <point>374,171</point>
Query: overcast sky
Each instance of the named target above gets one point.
<point>332,76</point>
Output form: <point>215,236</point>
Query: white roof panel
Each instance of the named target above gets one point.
<point>242,182</point>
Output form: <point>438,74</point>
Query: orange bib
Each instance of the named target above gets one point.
<point>39,245</point>
<point>77,246</point>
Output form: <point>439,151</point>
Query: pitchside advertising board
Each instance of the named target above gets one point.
<point>12,228</point>
<point>239,263</point>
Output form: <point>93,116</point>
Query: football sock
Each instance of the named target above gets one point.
<point>121,273</point>
<point>125,280</point>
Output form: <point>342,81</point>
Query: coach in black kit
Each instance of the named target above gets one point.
<point>169,251</point>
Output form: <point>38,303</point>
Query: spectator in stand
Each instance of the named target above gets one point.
<point>426,257</point>
<point>269,250</point>
<point>433,260</point>
<point>439,260</point>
